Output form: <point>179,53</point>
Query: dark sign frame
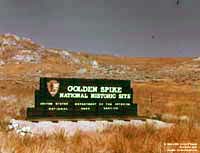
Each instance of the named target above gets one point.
<point>67,98</point>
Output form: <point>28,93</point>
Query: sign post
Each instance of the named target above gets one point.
<point>73,98</point>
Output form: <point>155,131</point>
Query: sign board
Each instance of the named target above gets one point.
<point>83,98</point>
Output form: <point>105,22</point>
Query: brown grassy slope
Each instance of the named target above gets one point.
<point>161,86</point>
<point>153,97</point>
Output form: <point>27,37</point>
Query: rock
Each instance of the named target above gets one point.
<point>196,59</point>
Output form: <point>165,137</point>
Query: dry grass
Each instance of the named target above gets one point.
<point>168,98</point>
<point>15,108</point>
<point>153,98</point>
<point>116,139</point>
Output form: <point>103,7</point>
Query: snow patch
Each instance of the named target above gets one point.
<point>53,51</point>
<point>158,124</point>
<point>25,51</point>
<point>75,60</point>
<point>137,122</point>
<point>65,54</point>
<point>8,42</point>
<point>94,64</point>
<point>82,71</point>
<point>2,62</point>
<point>26,127</point>
<point>34,58</point>
<point>19,129</point>
<point>8,98</point>
<point>12,35</point>
<point>27,39</point>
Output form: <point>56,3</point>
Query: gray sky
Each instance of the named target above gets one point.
<point>121,27</point>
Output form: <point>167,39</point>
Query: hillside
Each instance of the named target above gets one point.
<point>171,81</point>
<point>165,88</point>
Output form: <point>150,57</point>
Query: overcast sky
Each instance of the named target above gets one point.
<point>120,27</point>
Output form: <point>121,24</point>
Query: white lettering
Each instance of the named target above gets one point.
<point>111,89</point>
<point>82,88</point>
